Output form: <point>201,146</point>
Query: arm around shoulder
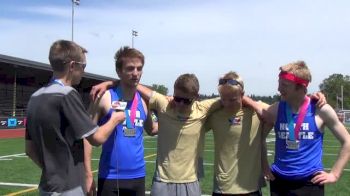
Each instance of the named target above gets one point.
<point>145,92</point>
<point>264,111</point>
<point>98,90</point>
<point>151,128</point>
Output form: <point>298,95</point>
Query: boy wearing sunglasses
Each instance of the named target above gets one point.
<point>237,142</point>
<point>180,128</point>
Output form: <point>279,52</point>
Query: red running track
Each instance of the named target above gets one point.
<point>11,133</point>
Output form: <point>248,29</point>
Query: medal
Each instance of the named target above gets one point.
<point>129,132</point>
<point>130,114</point>
<point>292,144</point>
<point>292,141</point>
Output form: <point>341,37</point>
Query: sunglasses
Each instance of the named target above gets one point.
<point>229,81</point>
<point>83,65</point>
<point>186,101</point>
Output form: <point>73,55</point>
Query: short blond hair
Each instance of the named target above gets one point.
<point>298,68</point>
<point>232,76</point>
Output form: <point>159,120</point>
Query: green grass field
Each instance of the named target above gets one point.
<point>18,174</point>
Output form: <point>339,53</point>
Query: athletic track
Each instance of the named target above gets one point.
<point>11,133</point>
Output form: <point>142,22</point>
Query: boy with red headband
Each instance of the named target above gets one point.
<point>299,126</point>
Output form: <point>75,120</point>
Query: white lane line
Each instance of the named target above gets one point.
<point>12,155</point>
<point>210,150</point>
<point>18,184</point>
<point>328,169</point>
<point>270,152</point>
<point>210,164</point>
<point>330,154</point>
<point>150,137</point>
<point>325,146</point>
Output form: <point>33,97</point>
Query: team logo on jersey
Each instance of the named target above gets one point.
<point>234,120</point>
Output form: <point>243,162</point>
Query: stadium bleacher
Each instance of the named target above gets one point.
<point>19,78</point>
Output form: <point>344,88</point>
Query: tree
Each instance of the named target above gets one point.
<point>266,99</point>
<point>331,87</point>
<point>160,89</point>
<point>204,96</point>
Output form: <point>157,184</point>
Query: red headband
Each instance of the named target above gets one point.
<point>293,78</point>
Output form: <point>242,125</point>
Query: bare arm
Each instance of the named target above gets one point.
<point>321,99</point>
<point>267,113</point>
<point>90,183</point>
<point>94,115</point>
<point>98,90</point>
<point>265,130</point>
<point>103,132</point>
<point>95,110</point>
<point>151,125</point>
<point>145,92</point>
<point>100,107</point>
<point>330,119</point>
<point>31,153</point>
<point>247,101</point>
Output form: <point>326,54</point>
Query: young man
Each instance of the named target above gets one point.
<point>58,122</point>
<point>299,128</point>
<point>122,166</point>
<point>180,128</point>
<point>237,142</point>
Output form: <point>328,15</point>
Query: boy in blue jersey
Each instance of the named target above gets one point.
<point>299,126</point>
<point>122,167</point>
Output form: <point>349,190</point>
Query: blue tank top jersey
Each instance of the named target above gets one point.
<point>301,163</point>
<point>123,156</point>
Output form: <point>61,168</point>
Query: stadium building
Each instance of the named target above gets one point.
<point>19,78</point>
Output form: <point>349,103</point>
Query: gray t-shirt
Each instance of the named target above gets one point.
<point>57,122</point>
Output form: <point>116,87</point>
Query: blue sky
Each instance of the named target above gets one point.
<point>205,37</point>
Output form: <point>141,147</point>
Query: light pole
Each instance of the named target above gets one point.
<point>133,34</point>
<point>342,97</point>
<point>74,2</point>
